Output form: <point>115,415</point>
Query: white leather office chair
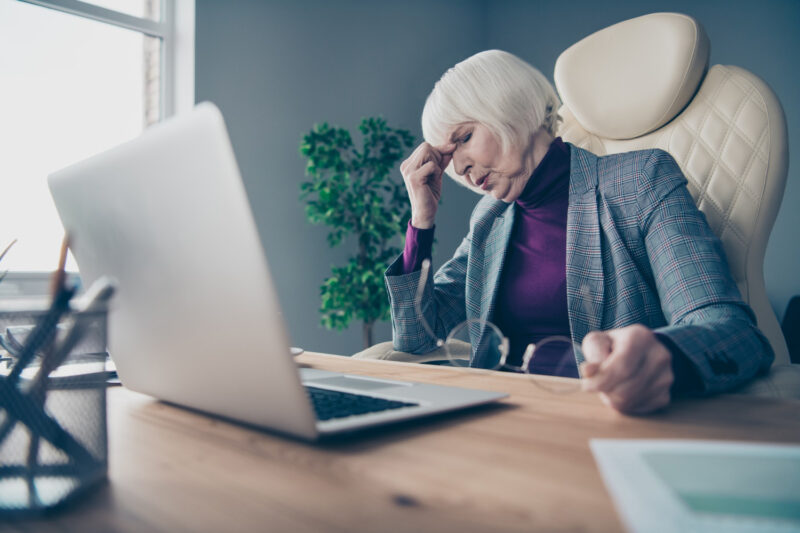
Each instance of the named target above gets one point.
<point>645,83</point>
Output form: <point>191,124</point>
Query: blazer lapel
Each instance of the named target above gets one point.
<point>495,254</point>
<point>585,279</point>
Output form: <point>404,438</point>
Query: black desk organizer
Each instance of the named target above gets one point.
<point>53,438</point>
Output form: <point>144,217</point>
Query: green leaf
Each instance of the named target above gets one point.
<point>356,193</point>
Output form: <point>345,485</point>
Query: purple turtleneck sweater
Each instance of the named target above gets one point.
<point>531,299</point>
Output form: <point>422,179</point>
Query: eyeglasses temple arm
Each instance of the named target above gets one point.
<point>423,280</point>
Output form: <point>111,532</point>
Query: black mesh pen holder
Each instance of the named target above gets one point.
<point>53,436</point>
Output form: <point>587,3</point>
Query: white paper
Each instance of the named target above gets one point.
<point>698,486</point>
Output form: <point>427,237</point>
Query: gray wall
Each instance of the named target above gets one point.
<point>277,67</point>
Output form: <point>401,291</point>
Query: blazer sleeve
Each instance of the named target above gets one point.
<point>442,303</point>
<point>707,319</point>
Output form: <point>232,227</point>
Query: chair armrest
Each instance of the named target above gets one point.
<point>782,381</point>
<point>386,352</point>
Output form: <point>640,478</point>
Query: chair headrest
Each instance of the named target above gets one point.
<point>633,77</point>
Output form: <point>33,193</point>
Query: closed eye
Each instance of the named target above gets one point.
<point>466,137</point>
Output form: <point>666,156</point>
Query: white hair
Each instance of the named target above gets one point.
<point>496,89</point>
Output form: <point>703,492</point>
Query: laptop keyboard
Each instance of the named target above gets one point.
<point>329,404</point>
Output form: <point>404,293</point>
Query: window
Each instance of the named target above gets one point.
<point>78,78</point>
<point>148,9</point>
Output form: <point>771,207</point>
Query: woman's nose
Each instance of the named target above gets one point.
<point>460,163</point>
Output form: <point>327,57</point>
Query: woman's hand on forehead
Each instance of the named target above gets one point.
<point>422,174</point>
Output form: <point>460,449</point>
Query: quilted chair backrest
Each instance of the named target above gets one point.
<point>645,83</point>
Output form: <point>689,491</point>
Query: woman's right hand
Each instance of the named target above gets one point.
<point>422,174</point>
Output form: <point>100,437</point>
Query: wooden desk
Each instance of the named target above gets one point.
<point>522,466</point>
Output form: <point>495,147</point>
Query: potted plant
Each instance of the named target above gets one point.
<point>353,193</point>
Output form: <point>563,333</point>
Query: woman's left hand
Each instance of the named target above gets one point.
<point>629,367</point>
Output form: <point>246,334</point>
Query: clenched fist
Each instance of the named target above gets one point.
<point>629,367</point>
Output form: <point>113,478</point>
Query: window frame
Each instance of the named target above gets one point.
<point>175,28</point>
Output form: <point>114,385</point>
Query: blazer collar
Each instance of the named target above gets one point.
<point>582,179</point>
<point>585,276</point>
<point>582,171</point>
<point>495,254</point>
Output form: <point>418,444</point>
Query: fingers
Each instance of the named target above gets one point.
<point>424,153</point>
<point>597,347</point>
<point>426,173</point>
<point>636,376</point>
<point>653,403</point>
<point>624,360</point>
<point>446,149</point>
<point>588,369</point>
<point>422,174</point>
<point>642,394</point>
<point>446,158</point>
<point>653,379</point>
<point>446,152</point>
<point>425,162</point>
<point>656,402</point>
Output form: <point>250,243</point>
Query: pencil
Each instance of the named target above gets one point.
<point>59,276</point>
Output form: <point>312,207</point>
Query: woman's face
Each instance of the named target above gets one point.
<point>479,158</point>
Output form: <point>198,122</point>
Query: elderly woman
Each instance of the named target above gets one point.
<point>611,251</point>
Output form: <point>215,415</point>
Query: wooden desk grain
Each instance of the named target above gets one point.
<point>522,466</point>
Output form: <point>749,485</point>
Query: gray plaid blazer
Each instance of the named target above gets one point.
<point>638,252</point>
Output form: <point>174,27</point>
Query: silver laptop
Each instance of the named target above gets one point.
<point>195,320</point>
